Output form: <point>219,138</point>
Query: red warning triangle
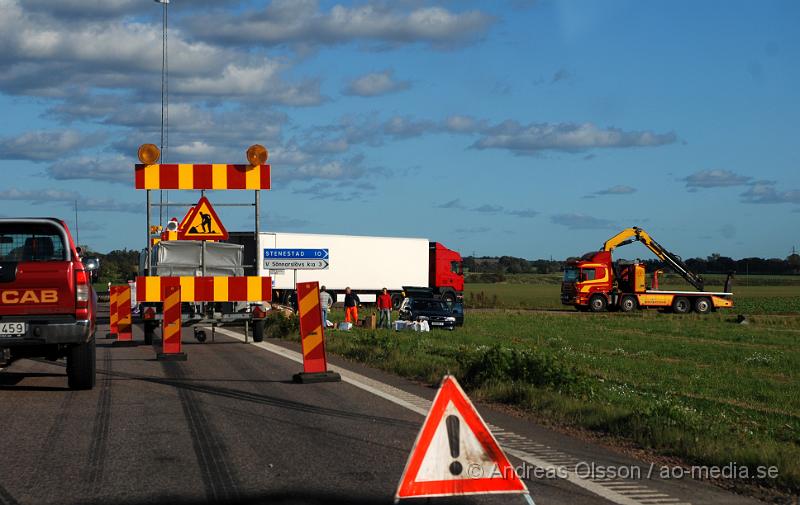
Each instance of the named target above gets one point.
<point>202,223</point>
<point>455,453</point>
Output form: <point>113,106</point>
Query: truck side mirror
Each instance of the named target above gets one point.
<point>92,265</point>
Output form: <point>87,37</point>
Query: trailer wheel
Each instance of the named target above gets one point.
<point>598,303</point>
<point>200,336</point>
<point>628,304</point>
<point>149,329</point>
<point>681,305</point>
<point>258,330</point>
<point>702,305</point>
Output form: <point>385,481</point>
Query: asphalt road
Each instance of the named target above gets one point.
<point>229,426</point>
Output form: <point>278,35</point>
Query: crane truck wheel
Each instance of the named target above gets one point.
<point>628,304</point>
<point>702,305</point>
<point>598,303</point>
<point>681,305</point>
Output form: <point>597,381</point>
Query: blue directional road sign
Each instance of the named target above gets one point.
<point>294,254</point>
<point>296,259</point>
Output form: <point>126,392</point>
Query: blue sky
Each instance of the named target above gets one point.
<point>528,128</point>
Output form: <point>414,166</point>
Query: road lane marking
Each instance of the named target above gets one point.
<point>523,448</point>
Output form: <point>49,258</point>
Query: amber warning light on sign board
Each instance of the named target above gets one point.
<point>149,154</point>
<point>257,155</point>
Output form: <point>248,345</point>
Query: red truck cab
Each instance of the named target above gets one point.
<point>47,304</point>
<point>446,272</point>
<point>589,275</point>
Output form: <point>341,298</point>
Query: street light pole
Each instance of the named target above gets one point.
<point>164,103</point>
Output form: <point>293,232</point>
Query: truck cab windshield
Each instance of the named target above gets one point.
<point>570,274</point>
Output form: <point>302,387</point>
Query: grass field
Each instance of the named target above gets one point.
<point>701,388</point>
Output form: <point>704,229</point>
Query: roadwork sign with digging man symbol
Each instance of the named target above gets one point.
<point>202,223</point>
<point>205,222</point>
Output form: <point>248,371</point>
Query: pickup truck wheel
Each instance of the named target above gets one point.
<point>598,303</point>
<point>81,365</point>
<point>681,305</point>
<point>702,305</point>
<point>628,304</point>
<point>258,330</point>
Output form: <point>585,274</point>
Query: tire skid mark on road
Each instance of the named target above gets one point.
<point>240,364</point>
<point>59,422</point>
<point>100,430</point>
<point>6,498</point>
<point>199,386</point>
<point>218,477</point>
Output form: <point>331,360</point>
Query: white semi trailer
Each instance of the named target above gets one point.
<point>364,264</point>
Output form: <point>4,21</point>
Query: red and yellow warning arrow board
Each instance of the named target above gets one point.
<point>113,317</point>
<point>124,332</point>
<point>312,335</point>
<point>202,176</point>
<point>202,223</point>
<point>171,326</point>
<point>206,289</point>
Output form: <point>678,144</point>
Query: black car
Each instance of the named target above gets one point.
<point>457,309</point>
<point>436,312</point>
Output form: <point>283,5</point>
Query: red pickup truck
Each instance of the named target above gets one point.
<point>47,304</point>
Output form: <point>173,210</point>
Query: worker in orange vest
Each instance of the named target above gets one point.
<point>351,303</point>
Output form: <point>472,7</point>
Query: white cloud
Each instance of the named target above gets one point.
<point>619,189</point>
<point>463,124</point>
<point>524,213</point>
<point>197,149</point>
<point>375,84</point>
<point>534,138</point>
<point>123,54</point>
<point>322,169</point>
<point>452,204</point>
<point>69,198</point>
<point>302,22</point>
<point>578,221</point>
<point>765,192</point>
<point>488,209</point>
<point>118,169</point>
<point>715,179</point>
<point>46,145</point>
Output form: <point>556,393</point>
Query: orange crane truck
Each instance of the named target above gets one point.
<point>595,283</point>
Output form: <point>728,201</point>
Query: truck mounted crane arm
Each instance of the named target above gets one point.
<point>633,234</point>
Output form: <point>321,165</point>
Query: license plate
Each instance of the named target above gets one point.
<point>12,329</point>
<point>437,324</point>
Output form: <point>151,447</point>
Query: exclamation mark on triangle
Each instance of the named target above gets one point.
<point>453,425</point>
